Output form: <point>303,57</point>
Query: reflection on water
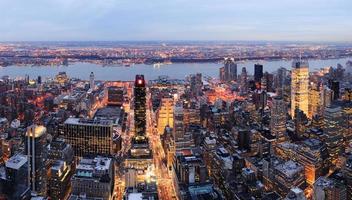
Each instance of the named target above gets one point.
<point>179,70</point>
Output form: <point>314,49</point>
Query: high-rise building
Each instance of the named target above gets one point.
<point>288,175</point>
<point>244,84</point>
<point>313,155</point>
<point>347,115</point>
<point>329,189</point>
<point>335,87</point>
<point>115,96</point>
<point>196,84</point>
<point>299,87</point>
<point>315,104</point>
<point>165,115</point>
<point>59,180</point>
<point>347,174</point>
<point>258,73</point>
<point>244,140</point>
<point>230,68</point>
<point>94,179</point>
<point>280,78</point>
<point>278,119</point>
<point>89,137</point>
<point>222,74</point>
<point>333,132</point>
<point>178,126</point>
<point>267,82</point>
<point>61,150</point>
<point>91,81</point>
<point>140,105</point>
<point>36,151</point>
<point>327,97</point>
<point>16,182</point>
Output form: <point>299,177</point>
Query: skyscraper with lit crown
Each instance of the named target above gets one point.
<point>299,87</point>
<point>140,105</point>
<point>36,151</point>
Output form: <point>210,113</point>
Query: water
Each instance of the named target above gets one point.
<point>176,70</point>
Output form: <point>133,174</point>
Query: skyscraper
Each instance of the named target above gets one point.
<point>278,119</point>
<point>333,131</point>
<point>258,73</point>
<point>230,68</point>
<point>140,105</point>
<point>16,184</point>
<point>196,84</point>
<point>115,96</point>
<point>244,84</point>
<point>335,87</point>
<point>165,113</point>
<point>91,81</point>
<point>89,137</point>
<point>315,100</point>
<point>299,87</point>
<point>178,126</point>
<point>36,151</point>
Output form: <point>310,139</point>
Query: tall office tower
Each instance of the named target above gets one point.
<point>179,129</point>
<point>36,150</point>
<point>16,183</point>
<point>91,81</point>
<point>39,80</point>
<point>61,150</point>
<point>115,96</point>
<point>335,87</point>
<point>333,132</point>
<point>347,115</point>
<point>94,179</point>
<point>60,180</point>
<point>347,174</point>
<point>165,114</point>
<point>89,137</point>
<point>244,84</point>
<point>26,79</point>
<point>299,87</point>
<point>244,140</point>
<point>313,155</point>
<point>230,69</point>
<point>258,73</point>
<point>222,74</point>
<point>278,119</point>
<point>196,84</point>
<point>267,82</point>
<point>327,96</point>
<point>280,78</point>
<point>315,107</point>
<point>140,105</point>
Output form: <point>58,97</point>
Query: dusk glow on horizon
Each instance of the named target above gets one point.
<point>79,20</point>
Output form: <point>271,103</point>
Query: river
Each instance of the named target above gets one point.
<point>175,70</point>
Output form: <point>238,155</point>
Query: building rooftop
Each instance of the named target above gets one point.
<point>289,168</point>
<point>88,167</point>
<point>109,113</point>
<point>89,122</point>
<point>36,130</point>
<point>300,64</point>
<point>16,161</point>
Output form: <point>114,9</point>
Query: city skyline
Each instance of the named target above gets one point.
<point>119,20</point>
